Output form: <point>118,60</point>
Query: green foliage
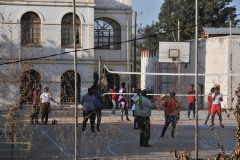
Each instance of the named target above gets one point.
<point>214,13</point>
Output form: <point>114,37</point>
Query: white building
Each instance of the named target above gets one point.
<point>217,58</point>
<point>42,28</point>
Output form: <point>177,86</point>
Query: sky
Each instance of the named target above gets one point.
<point>148,10</point>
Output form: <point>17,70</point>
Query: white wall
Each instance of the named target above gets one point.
<point>50,31</point>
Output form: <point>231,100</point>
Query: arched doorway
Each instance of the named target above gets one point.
<point>30,79</point>
<point>107,80</point>
<point>68,87</point>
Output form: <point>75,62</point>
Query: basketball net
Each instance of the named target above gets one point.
<point>175,61</point>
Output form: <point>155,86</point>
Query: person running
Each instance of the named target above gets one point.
<point>134,98</point>
<point>144,104</point>
<point>114,98</point>
<point>36,106</point>
<point>191,100</point>
<point>88,102</point>
<point>98,106</point>
<point>171,113</point>
<point>45,99</point>
<point>122,100</point>
<point>216,106</point>
<point>210,101</point>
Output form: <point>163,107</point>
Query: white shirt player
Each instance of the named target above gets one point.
<point>218,98</point>
<point>46,97</point>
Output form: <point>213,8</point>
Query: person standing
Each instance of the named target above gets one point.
<point>210,101</point>
<point>134,98</point>
<point>191,100</point>
<point>144,104</point>
<point>123,102</point>
<point>88,102</point>
<point>97,95</point>
<point>114,98</point>
<point>45,99</point>
<point>171,114</point>
<point>216,106</point>
<point>36,107</point>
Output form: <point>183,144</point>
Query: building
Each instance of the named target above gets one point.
<point>218,32</point>
<point>42,28</point>
<point>217,65</point>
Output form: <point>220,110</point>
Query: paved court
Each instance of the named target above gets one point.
<point>117,139</point>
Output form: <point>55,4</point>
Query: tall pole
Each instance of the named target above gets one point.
<point>178,64</point>
<point>135,51</point>
<point>75,77</point>
<point>99,72</point>
<point>196,79</point>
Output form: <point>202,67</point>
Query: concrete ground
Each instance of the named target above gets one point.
<point>119,140</point>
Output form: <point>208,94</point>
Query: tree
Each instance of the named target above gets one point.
<point>214,13</point>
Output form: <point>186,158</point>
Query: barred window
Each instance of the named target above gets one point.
<point>67,30</point>
<point>30,29</point>
<point>107,34</point>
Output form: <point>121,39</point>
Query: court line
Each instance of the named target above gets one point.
<point>109,146</point>
<point>53,142</point>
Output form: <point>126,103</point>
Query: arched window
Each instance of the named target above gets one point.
<point>107,33</point>
<point>29,80</point>
<point>68,87</point>
<point>67,30</point>
<point>30,29</point>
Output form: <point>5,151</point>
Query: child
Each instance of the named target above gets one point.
<point>216,106</point>
<point>36,106</point>
<point>45,99</point>
<point>210,101</point>
<point>191,100</point>
<point>122,100</point>
<point>134,99</point>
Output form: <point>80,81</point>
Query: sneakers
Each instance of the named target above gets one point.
<point>93,134</point>
<point>98,129</point>
<point>112,114</point>
<point>128,119</point>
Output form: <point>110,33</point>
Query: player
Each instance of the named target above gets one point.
<point>216,106</point>
<point>191,100</point>
<point>134,99</point>
<point>45,99</point>
<point>122,100</point>
<point>88,102</point>
<point>210,101</point>
<point>171,113</point>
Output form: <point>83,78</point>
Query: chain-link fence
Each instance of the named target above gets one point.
<point>37,67</point>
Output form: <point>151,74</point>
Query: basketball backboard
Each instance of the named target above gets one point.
<point>172,51</point>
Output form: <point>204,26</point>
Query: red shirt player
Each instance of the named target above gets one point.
<point>114,98</point>
<point>171,112</point>
<point>191,100</point>
<point>210,101</point>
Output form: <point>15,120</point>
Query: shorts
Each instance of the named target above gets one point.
<point>46,108</point>
<point>216,108</point>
